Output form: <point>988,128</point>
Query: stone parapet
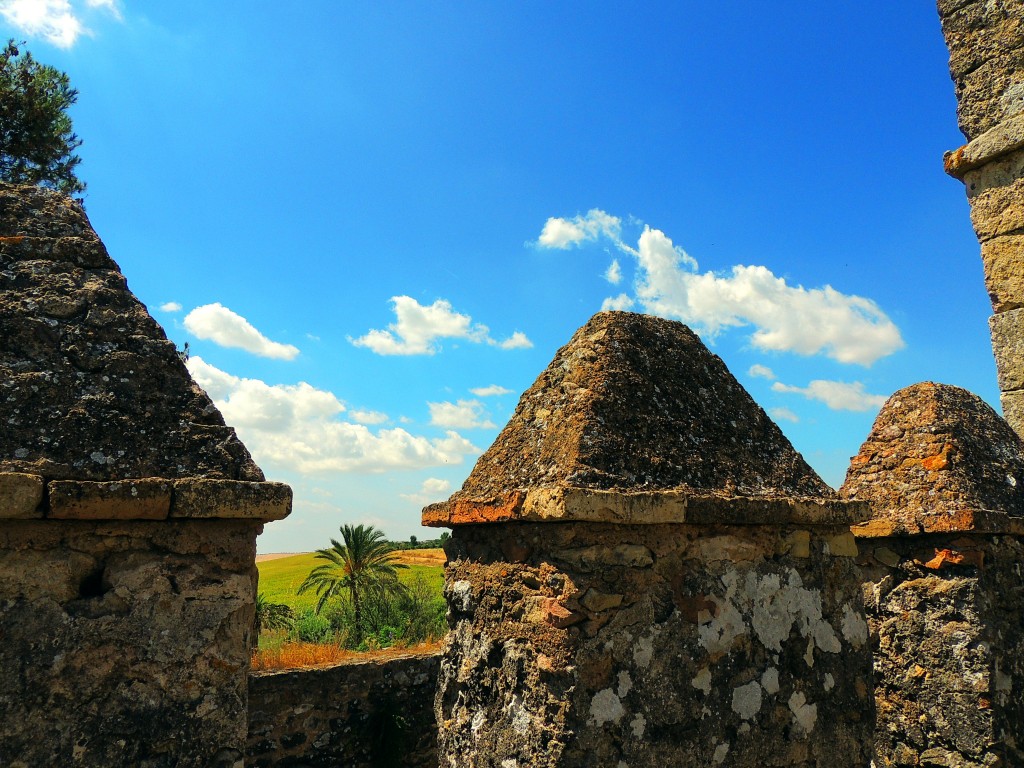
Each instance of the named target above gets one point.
<point>359,714</point>
<point>25,496</point>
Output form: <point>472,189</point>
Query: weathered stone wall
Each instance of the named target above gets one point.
<point>582,644</point>
<point>945,615</point>
<point>363,714</point>
<point>986,45</point>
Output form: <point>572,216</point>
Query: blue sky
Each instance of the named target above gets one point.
<point>374,223</point>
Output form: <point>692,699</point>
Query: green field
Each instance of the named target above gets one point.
<point>280,578</point>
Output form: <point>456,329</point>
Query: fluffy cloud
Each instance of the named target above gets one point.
<point>418,327</point>
<point>465,414</point>
<point>54,21</point>
<point>368,417</point>
<point>517,340</point>
<point>217,323</point>
<point>837,395</point>
<point>762,372</point>
<point>564,233</point>
<point>433,489</point>
<point>297,427</point>
<point>783,414</point>
<point>619,303</point>
<point>614,273</point>
<point>491,391</point>
<point>847,328</point>
<point>170,306</point>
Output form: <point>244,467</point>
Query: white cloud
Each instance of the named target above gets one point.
<point>564,233</point>
<point>170,306</point>
<point>491,391</point>
<point>762,372</point>
<point>465,414</point>
<point>51,20</point>
<point>847,328</point>
<point>837,395</point>
<point>417,328</point>
<point>619,303</point>
<point>296,427</point>
<point>517,340</point>
<point>217,323</point>
<point>433,489</point>
<point>783,414</point>
<point>614,273</point>
<point>54,21</point>
<point>368,417</point>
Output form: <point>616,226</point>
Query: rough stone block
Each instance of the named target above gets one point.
<point>1004,138</point>
<point>996,193</point>
<point>1013,409</point>
<point>1007,330</point>
<point>21,495</point>
<point>1003,258</point>
<point>197,498</point>
<point>146,499</point>
<point>978,32</point>
<point>949,649</point>
<point>722,645</point>
<point>986,60</point>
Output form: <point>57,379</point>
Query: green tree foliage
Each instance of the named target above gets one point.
<point>270,616</point>
<point>363,566</point>
<point>37,143</point>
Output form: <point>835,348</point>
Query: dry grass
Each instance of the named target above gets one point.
<point>420,556</point>
<point>299,655</point>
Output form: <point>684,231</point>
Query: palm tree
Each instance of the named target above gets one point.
<point>270,616</point>
<point>364,565</point>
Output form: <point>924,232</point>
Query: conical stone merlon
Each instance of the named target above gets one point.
<point>638,403</point>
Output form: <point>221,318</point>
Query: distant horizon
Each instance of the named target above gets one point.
<point>375,226</point>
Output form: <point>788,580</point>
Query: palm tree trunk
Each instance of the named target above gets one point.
<point>358,613</point>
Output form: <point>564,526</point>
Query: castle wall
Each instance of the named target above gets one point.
<point>582,644</point>
<point>358,714</point>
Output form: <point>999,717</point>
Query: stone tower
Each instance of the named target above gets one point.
<point>986,60</point>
